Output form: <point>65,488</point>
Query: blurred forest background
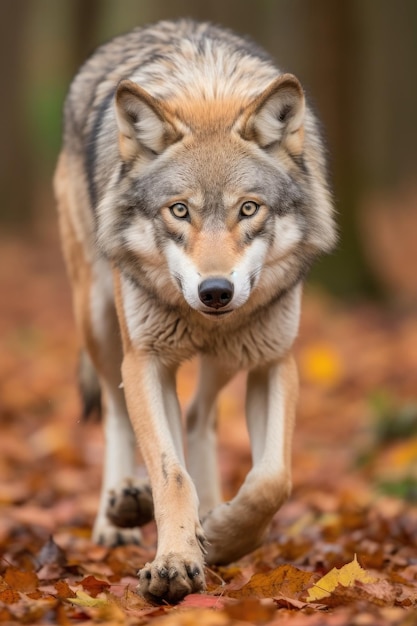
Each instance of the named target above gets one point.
<point>355,58</point>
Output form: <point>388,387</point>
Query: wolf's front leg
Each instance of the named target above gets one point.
<point>239,526</point>
<point>178,568</point>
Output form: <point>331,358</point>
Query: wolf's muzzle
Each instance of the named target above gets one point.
<point>215,292</point>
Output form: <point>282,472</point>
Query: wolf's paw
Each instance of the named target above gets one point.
<point>170,578</point>
<point>106,534</point>
<point>130,504</point>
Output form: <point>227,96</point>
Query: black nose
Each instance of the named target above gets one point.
<point>215,292</point>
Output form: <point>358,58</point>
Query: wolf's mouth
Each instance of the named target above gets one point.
<point>216,313</point>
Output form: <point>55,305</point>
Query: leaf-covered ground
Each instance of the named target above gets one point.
<point>342,551</point>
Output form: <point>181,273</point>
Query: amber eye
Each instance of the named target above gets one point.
<point>179,210</point>
<point>248,209</point>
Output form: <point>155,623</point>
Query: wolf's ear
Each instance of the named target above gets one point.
<point>276,115</point>
<point>144,123</point>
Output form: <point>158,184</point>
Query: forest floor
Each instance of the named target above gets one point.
<point>354,471</point>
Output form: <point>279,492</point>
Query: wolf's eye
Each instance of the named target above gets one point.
<point>248,209</point>
<point>179,210</point>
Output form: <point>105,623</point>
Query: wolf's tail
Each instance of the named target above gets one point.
<point>89,387</point>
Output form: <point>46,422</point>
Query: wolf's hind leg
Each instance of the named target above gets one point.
<point>239,526</point>
<point>120,444</point>
<point>201,433</point>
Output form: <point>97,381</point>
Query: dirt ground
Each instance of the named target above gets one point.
<point>354,471</point>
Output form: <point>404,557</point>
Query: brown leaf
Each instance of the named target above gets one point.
<point>94,586</point>
<point>381,593</point>
<point>64,590</point>
<point>6,615</point>
<point>111,614</point>
<point>284,580</point>
<point>130,600</point>
<point>251,610</point>
<point>9,596</point>
<point>20,580</point>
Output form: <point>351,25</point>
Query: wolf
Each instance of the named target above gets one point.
<point>193,198</point>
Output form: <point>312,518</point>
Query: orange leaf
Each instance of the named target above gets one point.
<point>64,590</point>
<point>251,610</point>
<point>94,586</point>
<point>284,580</point>
<point>20,580</point>
<point>9,596</point>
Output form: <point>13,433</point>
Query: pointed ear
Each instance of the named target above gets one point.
<point>145,125</point>
<point>276,115</point>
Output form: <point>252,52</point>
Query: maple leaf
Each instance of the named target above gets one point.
<point>346,576</point>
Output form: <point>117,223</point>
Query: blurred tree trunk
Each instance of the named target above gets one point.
<point>16,173</point>
<point>85,19</point>
<point>333,46</point>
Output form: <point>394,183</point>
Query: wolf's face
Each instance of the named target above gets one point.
<point>216,202</point>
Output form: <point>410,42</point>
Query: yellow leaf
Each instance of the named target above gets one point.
<point>346,576</point>
<point>83,599</point>
<point>321,364</point>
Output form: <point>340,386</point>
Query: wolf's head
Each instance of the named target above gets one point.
<point>220,202</point>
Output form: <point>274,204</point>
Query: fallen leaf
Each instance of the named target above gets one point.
<point>94,586</point>
<point>20,580</point>
<point>6,615</point>
<point>195,617</point>
<point>64,591</point>
<point>380,594</point>
<point>85,600</point>
<point>251,610</point>
<point>111,613</point>
<point>346,576</point>
<point>131,600</point>
<point>9,596</point>
<point>285,579</point>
